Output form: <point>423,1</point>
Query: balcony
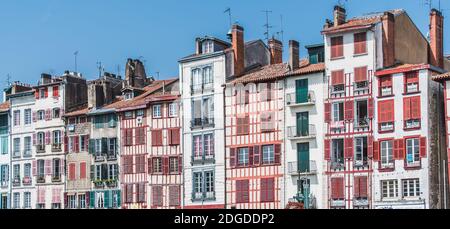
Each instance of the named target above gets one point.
<point>56,179</point>
<point>111,157</point>
<point>203,159</point>
<point>111,183</point>
<point>27,181</point>
<point>99,184</point>
<point>27,154</point>
<point>338,165</point>
<point>16,154</point>
<point>4,184</point>
<point>386,127</point>
<point>40,148</point>
<point>295,134</point>
<point>199,89</point>
<point>361,87</point>
<point>295,170</point>
<point>199,123</point>
<point>56,148</point>
<point>99,158</point>
<point>16,182</point>
<point>360,202</point>
<point>412,124</point>
<point>40,179</point>
<point>337,127</point>
<point>361,124</point>
<point>291,100</point>
<point>200,196</point>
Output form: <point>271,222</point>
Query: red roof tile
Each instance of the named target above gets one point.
<point>77,112</point>
<point>402,68</point>
<point>5,106</point>
<point>445,76</point>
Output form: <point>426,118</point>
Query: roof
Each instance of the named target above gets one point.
<point>402,68</point>
<point>82,111</point>
<point>4,106</point>
<point>445,76</point>
<point>140,101</point>
<point>277,71</point>
<point>361,22</point>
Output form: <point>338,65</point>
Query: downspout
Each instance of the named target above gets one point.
<point>225,147</point>
<point>284,141</point>
<point>9,195</point>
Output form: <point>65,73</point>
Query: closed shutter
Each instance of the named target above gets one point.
<point>360,46</point>
<point>337,188</point>
<point>83,170</point>
<point>423,147</point>
<point>48,167</point>
<point>349,110</point>
<point>327,148</point>
<point>174,196</point>
<point>337,48</point>
<point>337,78</point>
<point>370,108</point>
<point>56,91</point>
<point>376,153</point>
<point>348,147</point>
<point>406,109</point>
<point>277,148</point>
<point>415,108</point>
<point>232,157</point>
<point>360,74</point>
<point>157,138</point>
<point>72,171</point>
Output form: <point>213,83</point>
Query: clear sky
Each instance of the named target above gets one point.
<point>42,36</point>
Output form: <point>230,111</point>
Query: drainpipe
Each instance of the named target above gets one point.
<point>285,140</point>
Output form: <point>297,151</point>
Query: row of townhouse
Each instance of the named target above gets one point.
<point>359,123</point>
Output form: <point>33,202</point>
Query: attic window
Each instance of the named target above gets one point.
<point>208,46</point>
<point>128,95</point>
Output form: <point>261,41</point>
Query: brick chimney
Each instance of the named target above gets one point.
<point>294,55</point>
<point>339,15</point>
<point>388,23</point>
<point>276,51</point>
<point>436,38</point>
<point>237,40</point>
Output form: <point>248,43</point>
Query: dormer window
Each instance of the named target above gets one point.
<point>128,95</point>
<point>208,46</point>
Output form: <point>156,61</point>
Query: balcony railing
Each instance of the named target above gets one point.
<point>197,196</point>
<point>202,123</point>
<point>362,122</point>
<point>294,168</point>
<point>291,99</point>
<point>27,153</point>
<point>56,178</point>
<point>40,179</point>
<point>386,126</point>
<point>4,184</point>
<point>16,154</point>
<point>27,181</point>
<point>294,133</point>
<point>99,158</point>
<point>40,148</point>
<point>202,159</point>
<point>338,165</point>
<point>56,147</point>
<point>202,88</point>
<point>412,124</point>
<point>16,182</point>
<point>111,157</point>
<point>99,183</point>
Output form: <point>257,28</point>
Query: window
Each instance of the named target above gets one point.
<point>338,112</point>
<point>82,201</point>
<point>4,145</point>
<point>243,156</point>
<point>203,185</point>
<point>337,81</point>
<point>173,110</point>
<point>83,143</point>
<point>42,93</point>
<point>157,111</point>
<point>140,113</point>
<point>128,95</point>
<point>242,191</point>
<point>113,171</point>
<point>267,190</point>
<point>16,149</point>
<point>411,188</point>
<point>140,136</point>
<point>412,112</point>
<point>56,113</point>
<point>157,165</point>
<point>16,173</point>
<point>41,115</point>
<point>208,46</point>
<point>208,145</point>
<point>157,196</point>
<point>203,146</point>
<point>4,174</point>
<point>27,146</point>
<point>411,82</point>
<point>40,140</point>
<point>385,85</point>
<point>56,168</point>
<point>98,172</point>
<point>389,189</point>
<point>174,164</point>
<point>27,117</point>
<point>386,115</point>
<point>267,122</point>
<point>196,80</point>
<point>362,116</point>
<point>27,200</point>
<point>40,168</point>
<point>16,118</point>
<point>243,125</point>
<point>55,91</point>
<point>387,157</point>
<point>56,137</point>
<point>337,48</point>
<point>16,200</point>
<point>174,195</point>
<point>360,46</point>
<point>202,78</point>
<point>412,152</point>
<point>268,154</point>
<point>98,147</point>
<point>242,95</point>
<point>209,184</point>
<point>360,151</point>
<point>112,150</point>
<point>27,170</point>
<point>207,77</point>
<point>197,185</point>
<point>128,115</point>
<point>361,78</point>
<point>202,112</point>
<point>265,91</point>
<point>337,157</point>
<point>72,202</point>
<point>100,200</point>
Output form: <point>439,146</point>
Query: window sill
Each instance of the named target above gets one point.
<point>385,96</point>
<point>360,54</point>
<point>385,170</point>
<point>337,58</point>
<point>412,128</point>
<point>386,131</point>
<point>411,93</point>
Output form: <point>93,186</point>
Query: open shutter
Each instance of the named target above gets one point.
<point>401,149</point>
<point>348,147</point>
<point>356,187</point>
<point>66,144</point>
<point>327,147</point>
<point>250,156</point>
<point>92,199</point>
<point>406,109</point>
<point>47,137</point>
<point>77,144</point>
<point>232,157</point>
<point>327,112</point>
<point>370,108</point>
<point>149,166</point>
<point>256,155</point>
<point>376,151</point>
<point>349,110</point>
<point>36,94</point>
<point>34,139</point>
<point>46,92</point>
<point>180,164</point>
<point>62,164</point>
<point>65,201</point>
<point>34,168</point>
<point>34,116</point>
<point>370,147</point>
<point>396,155</point>
<point>277,153</point>
<point>92,172</point>
<point>166,165</point>
<point>423,147</point>
<point>48,167</point>
<point>363,187</point>
<point>415,108</point>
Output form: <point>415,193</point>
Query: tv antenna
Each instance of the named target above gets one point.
<point>282,30</point>
<point>8,80</point>
<point>118,70</point>
<point>429,3</point>
<point>341,3</point>
<point>228,10</point>
<point>75,55</point>
<point>100,68</point>
<point>267,25</point>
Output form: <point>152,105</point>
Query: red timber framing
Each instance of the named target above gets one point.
<point>447,123</point>
<point>256,181</point>
<point>351,177</point>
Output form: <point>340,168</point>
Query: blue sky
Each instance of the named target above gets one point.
<point>41,36</point>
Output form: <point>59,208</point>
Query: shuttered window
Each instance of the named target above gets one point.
<point>157,196</point>
<point>243,125</point>
<point>337,47</point>
<point>157,138</point>
<point>360,74</point>
<point>360,44</point>
<point>412,112</point>
<point>386,116</point>
<point>267,189</point>
<point>128,137</point>
<point>360,187</point>
<point>337,77</point>
<point>140,136</point>
<point>385,85</point>
<point>174,196</point>
<point>242,191</point>
<point>174,136</point>
<point>337,188</point>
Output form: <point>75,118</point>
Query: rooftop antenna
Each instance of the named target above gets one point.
<point>100,68</point>
<point>75,55</point>
<point>228,10</point>
<point>118,70</point>
<point>429,3</point>
<point>157,75</point>
<point>8,80</point>
<point>282,30</point>
<point>341,3</point>
<point>267,25</point>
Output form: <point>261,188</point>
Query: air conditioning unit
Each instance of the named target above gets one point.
<point>139,120</point>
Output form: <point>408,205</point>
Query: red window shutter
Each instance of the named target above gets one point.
<point>415,107</point>
<point>412,77</point>
<point>46,92</point>
<point>55,91</point>
<point>170,136</point>
<point>406,109</point>
<point>66,144</point>
<point>156,137</point>
<point>256,155</point>
<point>348,147</point>
<point>83,170</point>
<point>423,147</point>
<point>34,168</point>
<point>166,165</point>
<point>360,43</point>
<point>363,187</point>
<point>376,151</point>
<point>385,81</point>
<point>180,164</point>
<point>34,139</point>
<point>337,188</point>
<point>349,110</point>
<point>360,74</point>
<point>337,49</point>
<point>356,187</point>
<point>232,157</point>
<point>149,165</point>
<point>370,146</point>
<point>401,149</point>
<point>47,138</point>
<point>36,94</point>
<point>72,171</point>
<point>396,153</point>
<point>327,112</point>
<point>77,144</point>
<point>327,148</point>
<point>277,153</point>
<point>370,108</point>
<point>337,77</point>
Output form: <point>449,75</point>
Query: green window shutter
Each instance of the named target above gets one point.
<point>303,157</point>
<point>118,193</point>
<point>92,199</point>
<point>92,172</point>
<point>104,146</point>
<point>91,146</point>
<point>301,91</point>
<point>303,124</point>
<point>107,199</point>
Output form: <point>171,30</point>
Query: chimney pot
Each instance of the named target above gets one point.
<point>276,51</point>
<point>294,55</point>
<point>339,15</point>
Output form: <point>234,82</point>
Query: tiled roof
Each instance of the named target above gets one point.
<point>277,71</point>
<point>141,99</point>
<point>402,68</point>
<point>445,76</point>
<point>360,22</point>
<point>4,106</point>
<point>77,112</point>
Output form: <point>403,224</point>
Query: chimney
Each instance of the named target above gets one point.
<point>237,41</point>
<point>46,78</point>
<point>436,38</point>
<point>276,51</point>
<point>388,23</point>
<point>198,46</point>
<point>294,55</point>
<point>339,15</point>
